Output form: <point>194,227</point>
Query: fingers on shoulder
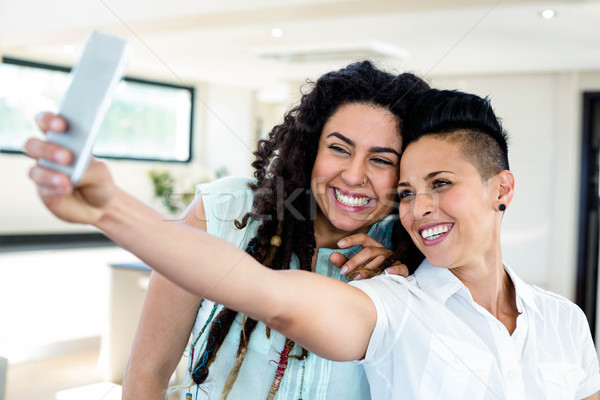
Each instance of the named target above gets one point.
<point>398,269</point>
<point>359,239</point>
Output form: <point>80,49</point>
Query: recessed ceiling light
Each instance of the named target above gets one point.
<point>276,32</point>
<point>548,14</point>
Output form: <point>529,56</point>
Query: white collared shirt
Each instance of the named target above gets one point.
<point>432,341</point>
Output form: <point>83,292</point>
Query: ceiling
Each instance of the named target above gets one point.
<point>232,42</point>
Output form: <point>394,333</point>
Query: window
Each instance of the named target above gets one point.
<point>146,121</point>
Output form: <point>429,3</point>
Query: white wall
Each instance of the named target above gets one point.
<point>230,139</point>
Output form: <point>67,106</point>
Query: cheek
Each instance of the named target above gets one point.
<point>407,222</point>
<point>318,172</point>
<point>452,202</point>
<point>404,214</point>
<point>465,208</point>
<point>385,186</point>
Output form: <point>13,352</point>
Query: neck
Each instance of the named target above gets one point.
<point>327,235</point>
<point>491,288</point>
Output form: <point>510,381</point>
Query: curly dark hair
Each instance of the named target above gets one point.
<point>284,161</point>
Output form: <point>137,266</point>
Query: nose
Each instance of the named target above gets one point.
<point>354,174</point>
<point>423,205</point>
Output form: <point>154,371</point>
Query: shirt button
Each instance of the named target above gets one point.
<point>513,374</point>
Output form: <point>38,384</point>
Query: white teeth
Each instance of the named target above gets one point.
<point>435,232</point>
<point>352,201</point>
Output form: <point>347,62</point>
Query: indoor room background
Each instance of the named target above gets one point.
<point>64,290</point>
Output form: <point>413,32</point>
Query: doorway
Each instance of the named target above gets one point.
<point>589,217</point>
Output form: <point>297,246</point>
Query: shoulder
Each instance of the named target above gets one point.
<point>382,230</point>
<point>552,307</point>
<point>223,202</point>
<point>543,297</point>
<point>230,184</point>
<point>555,307</point>
<point>230,192</point>
<point>384,286</point>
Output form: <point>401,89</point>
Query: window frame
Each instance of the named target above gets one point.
<point>190,89</point>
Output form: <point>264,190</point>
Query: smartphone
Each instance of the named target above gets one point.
<point>93,82</point>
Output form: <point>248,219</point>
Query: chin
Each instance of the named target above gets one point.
<point>348,226</point>
<point>438,263</point>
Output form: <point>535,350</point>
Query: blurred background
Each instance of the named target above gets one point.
<point>208,79</point>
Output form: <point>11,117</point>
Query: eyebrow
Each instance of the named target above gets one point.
<point>376,149</point>
<point>429,176</point>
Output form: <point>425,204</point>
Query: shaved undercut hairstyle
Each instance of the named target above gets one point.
<point>462,118</point>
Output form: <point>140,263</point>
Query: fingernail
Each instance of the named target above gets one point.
<point>341,243</point>
<point>344,270</point>
<point>55,125</point>
<point>357,277</point>
<point>61,156</point>
<point>56,180</point>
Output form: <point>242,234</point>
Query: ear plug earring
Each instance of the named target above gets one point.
<point>501,207</point>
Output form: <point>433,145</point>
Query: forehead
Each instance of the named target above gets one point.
<point>432,154</point>
<point>364,123</point>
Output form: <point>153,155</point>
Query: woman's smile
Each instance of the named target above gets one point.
<point>351,201</point>
<point>433,234</point>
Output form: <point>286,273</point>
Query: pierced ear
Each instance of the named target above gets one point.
<point>506,187</point>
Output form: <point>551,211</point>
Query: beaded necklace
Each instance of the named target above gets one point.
<point>275,242</point>
<point>288,346</point>
<point>190,352</point>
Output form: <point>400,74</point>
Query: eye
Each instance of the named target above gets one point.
<point>404,194</point>
<point>438,183</point>
<point>382,161</point>
<point>338,149</point>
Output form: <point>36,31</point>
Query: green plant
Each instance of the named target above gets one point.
<point>164,188</point>
<point>177,196</point>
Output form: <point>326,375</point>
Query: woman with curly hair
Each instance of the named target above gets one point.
<point>327,173</point>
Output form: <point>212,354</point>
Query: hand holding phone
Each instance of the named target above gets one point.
<point>88,97</point>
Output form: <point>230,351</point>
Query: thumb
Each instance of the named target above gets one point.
<point>398,269</point>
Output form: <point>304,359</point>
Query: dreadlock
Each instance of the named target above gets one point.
<point>283,201</point>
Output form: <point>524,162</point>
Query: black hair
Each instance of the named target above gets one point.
<point>458,117</point>
<point>465,118</point>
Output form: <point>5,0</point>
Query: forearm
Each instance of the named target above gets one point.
<point>211,268</point>
<point>144,385</point>
<point>200,263</point>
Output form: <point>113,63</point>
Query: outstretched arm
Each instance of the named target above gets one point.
<point>329,318</point>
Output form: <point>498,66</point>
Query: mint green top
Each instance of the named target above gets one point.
<point>225,201</point>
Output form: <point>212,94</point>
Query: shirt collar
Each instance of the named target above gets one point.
<point>441,284</point>
<point>524,293</point>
